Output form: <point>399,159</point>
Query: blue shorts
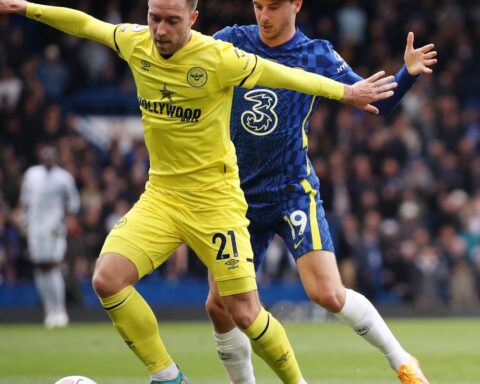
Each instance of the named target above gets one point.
<point>299,221</point>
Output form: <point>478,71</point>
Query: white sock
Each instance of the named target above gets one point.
<point>169,373</point>
<point>359,313</point>
<point>235,352</point>
<point>57,285</point>
<point>44,292</point>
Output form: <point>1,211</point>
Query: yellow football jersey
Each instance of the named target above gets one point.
<point>186,99</point>
<point>186,102</point>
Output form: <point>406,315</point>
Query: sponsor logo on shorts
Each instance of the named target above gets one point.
<point>232,264</point>
<point>297,244</point>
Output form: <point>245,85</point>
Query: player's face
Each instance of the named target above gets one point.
<point>170,22</point>
<point>276,19</point>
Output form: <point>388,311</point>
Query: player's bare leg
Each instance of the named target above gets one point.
<point>319,274</point>
<point>268,338</point>
<point>133,318</point>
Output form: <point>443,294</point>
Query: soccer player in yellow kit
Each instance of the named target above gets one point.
<point>185,84</point>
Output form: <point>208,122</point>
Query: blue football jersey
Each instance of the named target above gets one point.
<point>269,126</point>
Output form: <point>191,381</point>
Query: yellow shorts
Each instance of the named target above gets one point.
<point>212,223</point>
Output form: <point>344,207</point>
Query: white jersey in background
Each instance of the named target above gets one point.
<point>47,194</point>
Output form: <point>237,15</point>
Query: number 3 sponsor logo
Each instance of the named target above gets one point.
<point>261,119</point>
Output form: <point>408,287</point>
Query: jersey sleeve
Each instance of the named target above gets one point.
<point>125,37</point>
<point>338,69</point>
<point>73,22</point>
<point>334,66</point>
<point>276,75</point>
<point>236,67</point>
<point>405,82</point>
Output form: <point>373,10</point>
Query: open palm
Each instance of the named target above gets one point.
<point>419,60</point>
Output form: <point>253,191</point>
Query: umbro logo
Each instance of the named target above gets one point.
<point>145,65</point>
<point>283,359</point>
<point>231,262</point>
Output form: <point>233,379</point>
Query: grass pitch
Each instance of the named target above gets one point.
<point>329,353</point>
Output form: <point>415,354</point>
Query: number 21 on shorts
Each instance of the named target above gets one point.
<point>219,239</point>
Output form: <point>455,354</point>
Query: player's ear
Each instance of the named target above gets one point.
<point>193,17</point>
<point>298,5</point>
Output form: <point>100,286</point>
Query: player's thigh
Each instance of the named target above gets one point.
<point>217,231</point>
<point>146,235</point>
<point>304,227</point>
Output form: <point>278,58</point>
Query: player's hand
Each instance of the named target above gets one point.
<point>375,88</point>
<point>13,6</point>
<point>419,60</point>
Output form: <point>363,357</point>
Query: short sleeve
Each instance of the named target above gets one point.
<point>237,67</point>
<point>125,37</point>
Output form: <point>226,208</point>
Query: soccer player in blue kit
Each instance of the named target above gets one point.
<point>268,128</point>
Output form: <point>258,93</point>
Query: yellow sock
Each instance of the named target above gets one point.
<point>135,321</point>
<point>270,342</point>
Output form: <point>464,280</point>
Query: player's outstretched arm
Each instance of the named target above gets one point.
<point>361,94</point>
<point>68,20</point>
<point>419,60</point>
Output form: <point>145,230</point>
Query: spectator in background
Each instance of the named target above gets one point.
<point>53,73</point>
<point>352,21</point>
<point>48,193</point>
<point>10,90</point>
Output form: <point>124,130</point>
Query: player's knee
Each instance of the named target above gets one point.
<point>330,298</point>
<point>243,314</point>
<point>243,308</point>
<point>244,319</point>
<point>113,272</point>
<point>102,283</point>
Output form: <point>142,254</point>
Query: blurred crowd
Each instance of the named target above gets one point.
<point>402,193</point>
